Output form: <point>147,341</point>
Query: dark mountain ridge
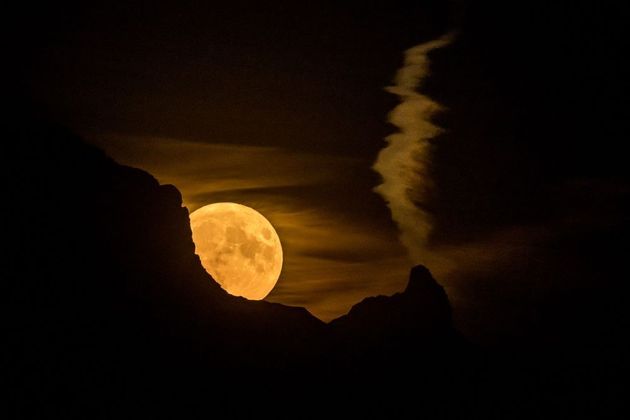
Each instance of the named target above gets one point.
<point>109,313</point>
<point>104,287</point>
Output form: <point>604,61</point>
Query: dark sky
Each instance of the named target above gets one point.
<point>283,107</point>
<point>237,73</point>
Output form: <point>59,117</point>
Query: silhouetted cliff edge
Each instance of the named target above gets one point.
<point>108,306</point>
<point>107,312</point>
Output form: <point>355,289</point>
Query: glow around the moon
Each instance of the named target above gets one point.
<point>238,247</point>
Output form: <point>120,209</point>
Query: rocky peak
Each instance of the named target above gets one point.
<point>421,282</point>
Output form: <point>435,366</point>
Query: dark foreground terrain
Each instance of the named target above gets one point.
<point>108,313</point>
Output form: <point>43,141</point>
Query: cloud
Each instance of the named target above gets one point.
<point>332,264</point>
<point>328,288</point>
<point>199,169</point>
<point>500,251</point>
<point>335,251</point>
<point>404,162</point>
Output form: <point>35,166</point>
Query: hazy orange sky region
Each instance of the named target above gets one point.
<point>334,256</point>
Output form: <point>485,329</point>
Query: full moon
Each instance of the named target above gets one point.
<point>238,247</point>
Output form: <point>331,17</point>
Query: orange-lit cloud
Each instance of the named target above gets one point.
<point>198,169</point>
<point>333,257</point>
<point>404,162</point>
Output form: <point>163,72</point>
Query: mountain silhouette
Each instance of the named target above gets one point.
<point>109,313</point>
<point>422,309</point>
<point>110,307</point>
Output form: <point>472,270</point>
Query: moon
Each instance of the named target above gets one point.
<point>238,247</point>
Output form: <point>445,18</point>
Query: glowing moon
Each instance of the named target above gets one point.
<point>238,247</point>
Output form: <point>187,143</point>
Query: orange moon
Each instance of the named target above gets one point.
<point>238,247</point>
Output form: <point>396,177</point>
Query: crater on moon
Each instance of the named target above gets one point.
<point>238,247</point>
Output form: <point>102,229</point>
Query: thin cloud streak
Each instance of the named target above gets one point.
<point>404,162</point>
<point>202,168</point>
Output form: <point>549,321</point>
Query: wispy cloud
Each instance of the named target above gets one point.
<point>404,162</point>
<point>198,169</point>
<point>334,257</point>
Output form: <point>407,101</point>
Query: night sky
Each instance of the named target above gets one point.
<point>515,192</point>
